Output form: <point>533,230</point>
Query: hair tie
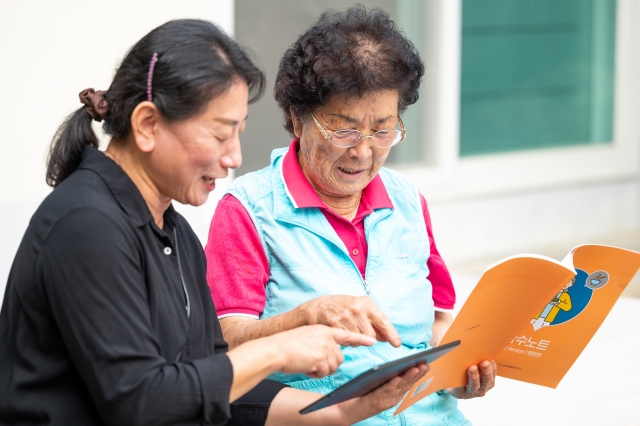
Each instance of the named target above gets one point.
<point>95,103</point>
<point>152,65</point>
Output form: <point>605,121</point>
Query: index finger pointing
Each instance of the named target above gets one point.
<point>385,329</point>
<point>349,338</point>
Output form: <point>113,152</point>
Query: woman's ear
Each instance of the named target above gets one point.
<point>297,124</point>
<point>144,125</point>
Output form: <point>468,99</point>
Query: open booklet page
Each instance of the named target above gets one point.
<point>533,315</point>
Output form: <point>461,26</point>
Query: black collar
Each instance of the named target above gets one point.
<point>125,192</point>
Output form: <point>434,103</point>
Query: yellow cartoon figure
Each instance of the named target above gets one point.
<point>548,314</point>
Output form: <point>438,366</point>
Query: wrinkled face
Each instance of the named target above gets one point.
<point>191,154</point>
<point>343,172</point>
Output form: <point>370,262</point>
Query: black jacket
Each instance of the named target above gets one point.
<point>107,319</point>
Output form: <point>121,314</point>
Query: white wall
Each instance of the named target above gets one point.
<point>549,222</point>
<point>50,52</point>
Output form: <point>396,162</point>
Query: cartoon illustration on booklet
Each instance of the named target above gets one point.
<point>562,301</point>
<point>533,315</point>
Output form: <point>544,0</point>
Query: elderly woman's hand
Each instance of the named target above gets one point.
<point>354,313</point>
<point>482,378</point>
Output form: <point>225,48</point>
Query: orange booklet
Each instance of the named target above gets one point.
<point>533,315</point>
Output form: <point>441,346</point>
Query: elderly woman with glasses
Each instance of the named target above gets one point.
<point>325,234</point>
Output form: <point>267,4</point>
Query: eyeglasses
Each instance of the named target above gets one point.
<point>351,137</point>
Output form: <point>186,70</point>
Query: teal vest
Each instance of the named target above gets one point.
<point>307,259</point>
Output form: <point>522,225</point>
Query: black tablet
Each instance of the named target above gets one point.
<point>378,375</point>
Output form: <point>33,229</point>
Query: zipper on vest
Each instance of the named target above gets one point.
<point>403,420</point>
<point>368,292</point>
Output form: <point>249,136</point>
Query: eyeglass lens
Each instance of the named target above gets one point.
<point>382,138</point>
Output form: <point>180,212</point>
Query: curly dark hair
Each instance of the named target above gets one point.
<point>351,53</point>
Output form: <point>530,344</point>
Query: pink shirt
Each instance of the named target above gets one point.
<point>237,267</point>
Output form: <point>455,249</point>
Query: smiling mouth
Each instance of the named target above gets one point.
<point>208,180</point>
<point>350,171</point>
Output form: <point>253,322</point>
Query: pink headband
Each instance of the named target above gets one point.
<point>154,59</point>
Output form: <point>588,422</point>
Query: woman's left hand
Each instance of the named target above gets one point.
<point>482,378</point>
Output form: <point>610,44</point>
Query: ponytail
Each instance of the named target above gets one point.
<point>73,135</point>
<point>67,145</point>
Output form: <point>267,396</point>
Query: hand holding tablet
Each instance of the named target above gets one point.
<point>377,376</point>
